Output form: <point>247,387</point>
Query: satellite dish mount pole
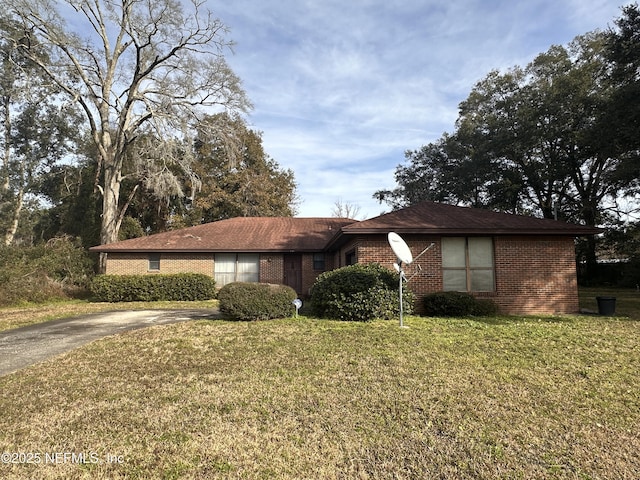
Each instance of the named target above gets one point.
<point>400,292</point>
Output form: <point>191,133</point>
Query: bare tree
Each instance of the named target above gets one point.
<point>138,68</point>
<point>345,210</point>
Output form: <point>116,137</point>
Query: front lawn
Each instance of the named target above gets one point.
<point>627,300</point>
<point>528,398</point>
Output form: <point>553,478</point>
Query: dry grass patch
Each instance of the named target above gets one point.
<point>14,317</point>
<point>506,398</point>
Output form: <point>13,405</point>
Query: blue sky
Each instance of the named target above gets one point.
<point>342,88</point>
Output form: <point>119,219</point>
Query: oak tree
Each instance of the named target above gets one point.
<point>237,178</point>
<point>137,69</point>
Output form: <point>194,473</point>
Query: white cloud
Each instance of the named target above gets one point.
<point>342,89</point>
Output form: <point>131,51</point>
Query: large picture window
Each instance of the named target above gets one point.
<point>236,267</point>
<point>467,264</point>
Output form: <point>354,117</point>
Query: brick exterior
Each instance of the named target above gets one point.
<point>533,274</point>
<point>272,270</point>
<point>309,274</point>
<point>536,275</point>
<point>138,263</point>
<point>271,266</point>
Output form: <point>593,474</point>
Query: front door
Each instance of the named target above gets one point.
<point>293,271</point>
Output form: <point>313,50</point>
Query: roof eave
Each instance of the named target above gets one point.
<point>578,232</point>
<point>201,250</point>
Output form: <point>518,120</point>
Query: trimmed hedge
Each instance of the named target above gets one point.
<point>359,293</point>
<point>151,288</point>
<point>256,301</point>
<point>457,304</point>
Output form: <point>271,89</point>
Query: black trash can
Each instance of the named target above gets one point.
<point>606,305</point>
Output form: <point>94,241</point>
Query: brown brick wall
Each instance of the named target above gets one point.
<point>187,262</point>
<point>352,245</point>
<point>309,275</point>
<point>533,275</point>
<point>138,263</point>
<point>426,279</point>
<point>127,263</point>
<point>271,268</point>
<point>536,276</point>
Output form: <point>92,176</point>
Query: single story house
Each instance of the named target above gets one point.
<point>525,264</point>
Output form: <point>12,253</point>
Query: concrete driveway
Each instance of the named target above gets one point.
<point>28,345</point>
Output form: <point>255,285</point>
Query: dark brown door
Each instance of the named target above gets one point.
<point>293,271</point>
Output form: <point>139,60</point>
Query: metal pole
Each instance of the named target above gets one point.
<point>400,290</point>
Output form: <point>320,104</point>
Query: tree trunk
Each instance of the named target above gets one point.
<point>6,157</point>
<point>5,188</point>
<point>591,259</point>
<point>5,185</point>
<point>15,221</point>
<point>111,218</point>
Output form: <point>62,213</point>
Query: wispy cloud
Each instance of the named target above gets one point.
<point>342,89</point>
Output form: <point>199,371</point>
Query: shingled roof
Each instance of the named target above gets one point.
<point>292,234</point>
<point>443,219</point>
<point>242,234</point>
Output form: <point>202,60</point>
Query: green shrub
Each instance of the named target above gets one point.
<point>457,304</point>
<point>359,293</point>
<point>485,307</point>
<point>150,288</point>
<point>256,301</point>
<point>57,269</point>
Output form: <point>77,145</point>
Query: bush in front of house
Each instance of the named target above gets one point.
<point>57,269</point>
<point>256,301</point>
<point>359,293</point>
<point>457,304</point>
<point>151,288</point>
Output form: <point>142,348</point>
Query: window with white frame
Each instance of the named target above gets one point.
<point>467,264</point>
<point>236,267</point>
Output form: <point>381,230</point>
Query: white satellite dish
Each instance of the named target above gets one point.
<point>400,248</point>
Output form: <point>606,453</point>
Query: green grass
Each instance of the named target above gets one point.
<point>506,397</point>
<point>627,300</point>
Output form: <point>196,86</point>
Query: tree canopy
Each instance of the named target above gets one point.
<point>221,184</point>
<point>160,141</point>
<point>623,51</point>
<point>142,73</point>
<point>557,138</point>
<point>530,140</point>
<point>243,182</point>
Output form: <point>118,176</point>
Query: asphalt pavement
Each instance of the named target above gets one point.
<point>25,346</point>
